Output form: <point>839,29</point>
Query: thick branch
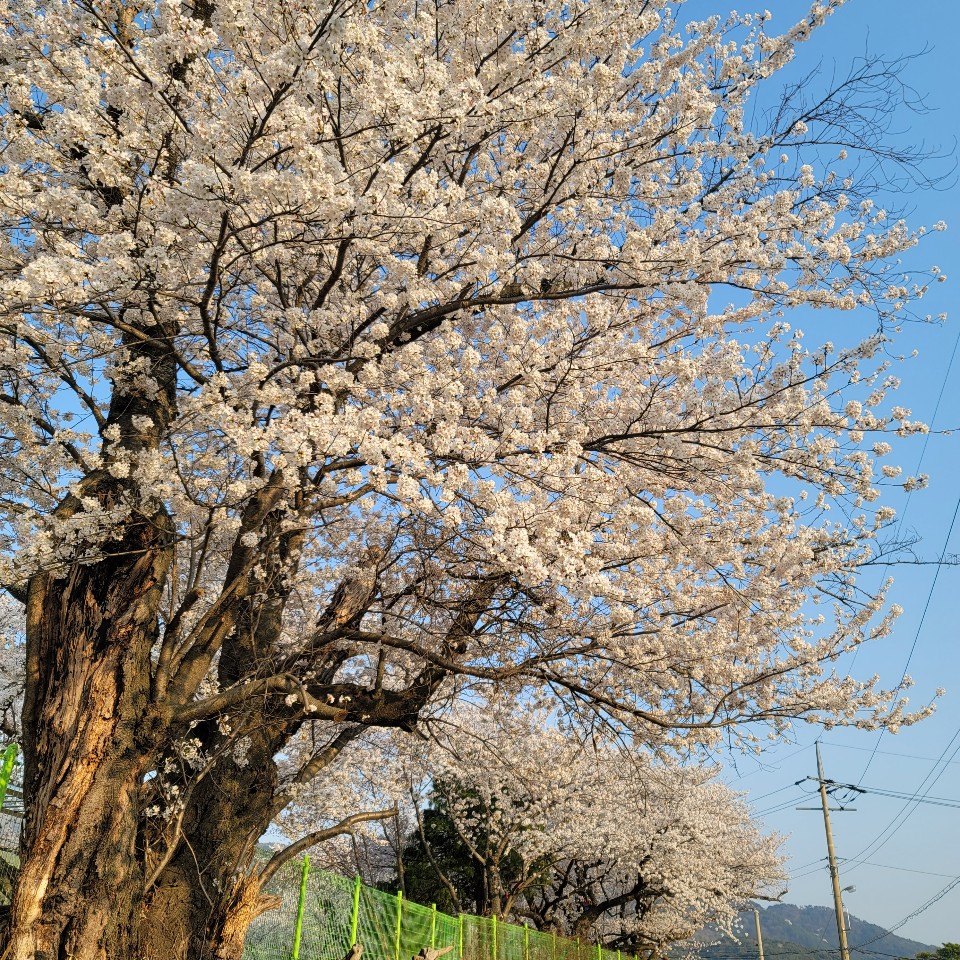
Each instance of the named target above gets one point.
<point>318,836</point>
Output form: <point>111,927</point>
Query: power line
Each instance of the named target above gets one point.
<point>783,805</point>
<point>763,796</point>
<point>916,638</point>
<point>917,797</point>
<point>901,795</point>
<point>890,866</point>
<point>906,811</point>
<point>916,913</point>
<point>803,866</point>
<point>886,753</point>
<point>939,895</point>
<point>946,543</point>
<point>834,786</point>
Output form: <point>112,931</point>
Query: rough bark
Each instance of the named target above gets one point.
<point>207,895</point>
<point>88,710</point>
<point>90,727</point>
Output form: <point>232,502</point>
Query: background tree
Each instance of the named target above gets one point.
<point>516,818</point>
<point>439,867</point>
<point>947,951</point>
<point>11,668</point>
<point>358,356</point>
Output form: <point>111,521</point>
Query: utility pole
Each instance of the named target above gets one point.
<point>834,871</point>
<point>756,916</point>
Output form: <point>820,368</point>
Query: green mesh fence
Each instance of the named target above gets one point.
<point>336,912</point>
<point>10,813</point>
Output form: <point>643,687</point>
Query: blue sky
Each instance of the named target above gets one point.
<point>912,851</point>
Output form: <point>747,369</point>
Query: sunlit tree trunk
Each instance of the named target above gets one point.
<point>90,724</point>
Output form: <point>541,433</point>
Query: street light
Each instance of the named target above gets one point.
<point>850,889</point>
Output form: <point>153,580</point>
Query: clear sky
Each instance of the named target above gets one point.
<point>898,856</point>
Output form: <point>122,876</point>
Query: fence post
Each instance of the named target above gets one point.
<point>396,951</point>
<point>6,769</point>
<point>526,940</point>
<point>460,933</point>
<point>355,913</point>
<point>301,905</point>
<point>433,925</point>
<point>494,957</point>
<point>599,951</point>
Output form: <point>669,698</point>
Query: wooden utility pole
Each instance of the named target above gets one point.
<point>756,916</point>
<point>834,871</point>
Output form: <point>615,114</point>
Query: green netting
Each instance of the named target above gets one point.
<point>448,934</point>
<point>415,930</point>
<point>569,950</point>
<point>511,942</point>
<point>391,928</point>
<point>540,945</point>
<point>377,924</point>
<point>270,936</point>
<point>10,812</point>
<point>326,917</point>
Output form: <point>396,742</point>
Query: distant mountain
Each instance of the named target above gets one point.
<point>726,949</point>
<point>805,933</point>
<point>746,949</point>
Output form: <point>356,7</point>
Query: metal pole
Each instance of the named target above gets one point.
<point>526,940</point>
<point>599,952</point>
<point>396,951</point>
<point>433,925</point>
<point>494,937</point>
<point>355,913</point>
<point>832,857</point>
<point>460,933</point>
<point>301,904</point>
<point>756,917</point>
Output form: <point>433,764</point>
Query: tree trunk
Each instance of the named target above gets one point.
<point>193,915</point>
<point>245,906</point>
<point>207,895</point>
<point>209,884</point>
<point>179,902</point>
<point>90,731</point>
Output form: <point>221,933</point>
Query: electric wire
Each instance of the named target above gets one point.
<point>886,753</point>
<point>908,808</point>
<point>911,916</point>
<point>916,637</point>
<point>880,841</point>
<point>890,866</point>
<point>946,543</point>
<point>915,797</point>
<point>902,795</point>
<point>763,796</point>
<point>858,947</point>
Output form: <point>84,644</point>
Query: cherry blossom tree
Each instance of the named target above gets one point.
<point>592,840</point>
<point>358,356</point>
<point>503,812</point>
<point>11,667</point>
